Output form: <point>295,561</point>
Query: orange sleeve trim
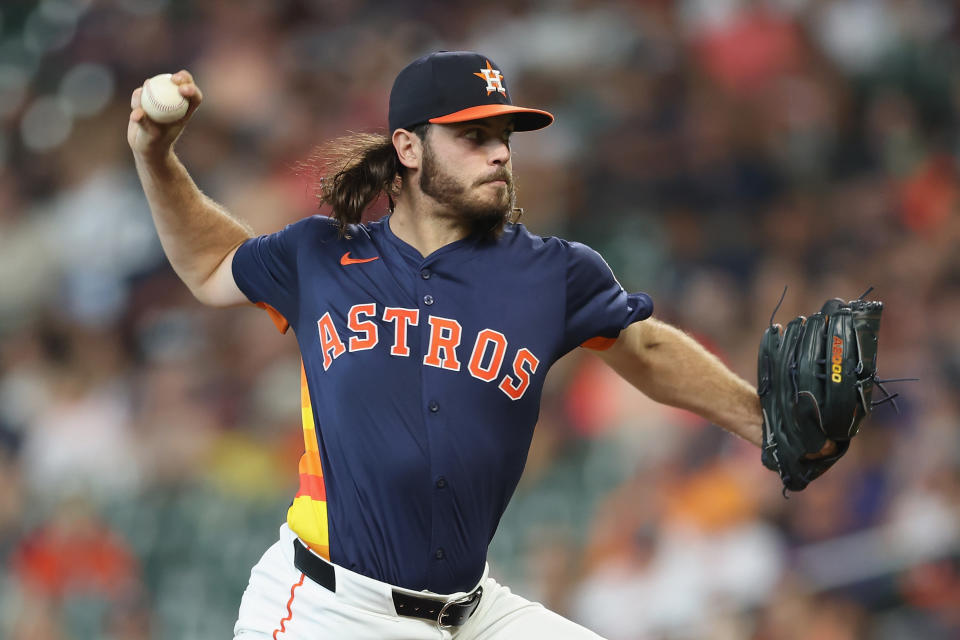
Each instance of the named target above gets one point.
<point>599,343</point>
<point>283,623</point>
<point>278,320</point>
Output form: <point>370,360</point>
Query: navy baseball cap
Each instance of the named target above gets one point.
<point>455,86</point>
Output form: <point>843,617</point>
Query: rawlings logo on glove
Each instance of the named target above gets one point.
<point>815,380</point>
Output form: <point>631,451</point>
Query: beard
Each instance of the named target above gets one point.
<point>484,213</point>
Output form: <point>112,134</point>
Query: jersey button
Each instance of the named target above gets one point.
<point>425,274</point>
<point>434,406</point>
<point>441,482</point>
<point>428,299</point>
<point>439,554</point>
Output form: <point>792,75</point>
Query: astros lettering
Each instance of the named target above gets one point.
<point>484,363</point>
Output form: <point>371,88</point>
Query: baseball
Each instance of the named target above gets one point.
<point>161,100</point>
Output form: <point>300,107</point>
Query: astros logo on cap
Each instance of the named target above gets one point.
<point>439,88</point>
<point>492,76</point>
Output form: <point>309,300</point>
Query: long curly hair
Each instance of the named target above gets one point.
<point>354,171</point>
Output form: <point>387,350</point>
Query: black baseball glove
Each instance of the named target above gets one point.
<point>815,380</point>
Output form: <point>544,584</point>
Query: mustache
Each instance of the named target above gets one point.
<point>499,174</point>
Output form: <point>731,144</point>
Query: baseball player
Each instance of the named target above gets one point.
<point>425,340</point>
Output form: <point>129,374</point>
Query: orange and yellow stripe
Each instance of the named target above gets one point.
<point>307,516</point>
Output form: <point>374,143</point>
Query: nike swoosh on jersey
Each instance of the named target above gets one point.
<point>346,259</point>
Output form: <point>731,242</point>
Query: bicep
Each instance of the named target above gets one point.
<point>627,354</point>
<point>647,352</point>
<point>220,288</point>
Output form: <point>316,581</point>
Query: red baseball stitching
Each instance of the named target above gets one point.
<point>158,105</point>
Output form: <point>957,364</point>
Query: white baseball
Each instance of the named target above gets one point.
<point>161,99</point>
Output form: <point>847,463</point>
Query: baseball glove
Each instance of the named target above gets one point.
<point>815,380</point>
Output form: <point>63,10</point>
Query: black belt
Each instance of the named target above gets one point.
<point>452,613</point>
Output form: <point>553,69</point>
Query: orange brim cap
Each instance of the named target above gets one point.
<point>455,86</point>
<point>525,119</point>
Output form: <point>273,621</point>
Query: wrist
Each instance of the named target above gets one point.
<point>158,162</point>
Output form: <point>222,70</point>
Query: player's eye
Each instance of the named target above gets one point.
<point>479,135</point>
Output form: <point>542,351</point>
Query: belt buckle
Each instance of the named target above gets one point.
<point>447,605</point>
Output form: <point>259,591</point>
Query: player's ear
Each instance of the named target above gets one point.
<point>409,148</point>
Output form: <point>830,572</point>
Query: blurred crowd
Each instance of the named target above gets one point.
<point>714,151</point>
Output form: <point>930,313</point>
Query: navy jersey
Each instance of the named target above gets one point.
<point>422,382</point>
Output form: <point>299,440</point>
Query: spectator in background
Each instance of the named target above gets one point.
<point>73,561</point>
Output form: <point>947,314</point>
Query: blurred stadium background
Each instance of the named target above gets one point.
<point>713,151</point>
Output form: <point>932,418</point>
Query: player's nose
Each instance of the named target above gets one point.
<point>500,153</point>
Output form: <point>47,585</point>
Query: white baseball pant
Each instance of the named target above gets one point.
<point>281,603</point>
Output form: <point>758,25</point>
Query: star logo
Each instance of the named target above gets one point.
<point>493,78</point>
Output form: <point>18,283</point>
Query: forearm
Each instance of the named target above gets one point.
<point>672,368</point>
<point>195,232</point>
